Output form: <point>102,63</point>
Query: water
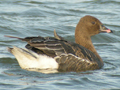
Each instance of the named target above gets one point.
<point>40,17</point>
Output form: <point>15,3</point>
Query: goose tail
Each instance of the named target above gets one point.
<point>22,52</point>
<point>29,60</point>
<point>24,57</point>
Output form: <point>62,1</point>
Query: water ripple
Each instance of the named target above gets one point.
<point>39,18</point>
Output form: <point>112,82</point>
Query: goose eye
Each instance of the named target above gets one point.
<point>93,22</point>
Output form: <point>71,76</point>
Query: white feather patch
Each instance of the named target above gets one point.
<point>27,60</point>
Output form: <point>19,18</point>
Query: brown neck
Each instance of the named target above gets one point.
<point>85,41</point>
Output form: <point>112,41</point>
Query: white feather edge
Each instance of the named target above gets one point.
<point>26,59</point>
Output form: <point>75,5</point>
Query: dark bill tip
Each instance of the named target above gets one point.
<point>111,31</point>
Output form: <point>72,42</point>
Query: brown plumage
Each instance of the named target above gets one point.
<point>79,56</point>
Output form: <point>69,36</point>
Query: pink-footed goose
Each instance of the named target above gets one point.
<point>55,53</point>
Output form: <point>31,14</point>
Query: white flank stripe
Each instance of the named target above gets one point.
<point>27,61</point>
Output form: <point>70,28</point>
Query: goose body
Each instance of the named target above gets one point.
<point>55,53</point>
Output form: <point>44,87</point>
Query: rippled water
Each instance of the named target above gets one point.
<point>40,17</point>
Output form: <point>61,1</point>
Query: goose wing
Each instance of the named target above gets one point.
<point>70,62</point>
<point>48,45</point>
<point>57,36</point>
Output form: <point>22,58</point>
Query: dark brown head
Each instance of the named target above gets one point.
<point>89,25</point>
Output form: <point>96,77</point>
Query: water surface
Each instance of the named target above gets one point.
<point>39,18</point>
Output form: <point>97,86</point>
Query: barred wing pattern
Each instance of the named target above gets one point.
<point>64,52</point>
<point>70,62</point>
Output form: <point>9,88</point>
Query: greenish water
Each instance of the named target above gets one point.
<point>39,18</point>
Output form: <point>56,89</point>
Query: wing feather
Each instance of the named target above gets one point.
<point>70,62</point>
<point>47,45</point>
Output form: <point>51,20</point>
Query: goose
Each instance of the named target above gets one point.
<point>56,53</point>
